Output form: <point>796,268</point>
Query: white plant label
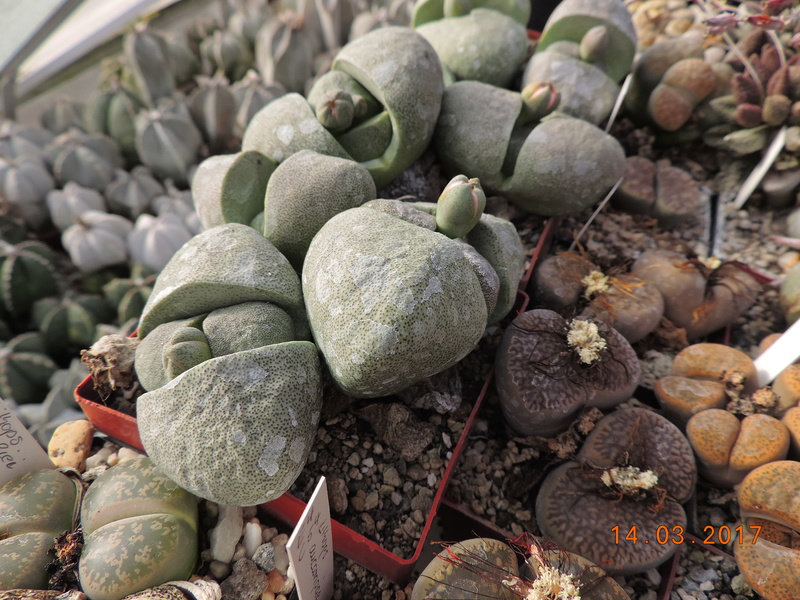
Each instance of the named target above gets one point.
<point>310,548</point>
<point>19,450</point>
<point>779,355</point>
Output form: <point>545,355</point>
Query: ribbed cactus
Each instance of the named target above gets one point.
<point>168,143</point>
<point>252,94</point>
<point>154,240</point>
<point>264,406</point>
<point>67,325</point>
<point>19,140</point>
<point>27,274</point>
<point>284,53</point>
<point>140,530</point>
<point>129,295</point>
<point>213,108</point>
<point>113,114</point>
<point>25,183</point>
<point>71,202</point>
<point>64,114</point>
<point>88,160</point>
<point>132,193</point>
<point>25,369</point>
<point>147,56</point>
<point>227,52</point>
<point>36,507</point>
<point>97,240</point>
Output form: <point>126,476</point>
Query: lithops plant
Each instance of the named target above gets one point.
<point>134,510</point>
<point>97,240</point>
<point>766,545</point>
<point>484,45</point>
<point>699,296</point>
<point>253,389</point>
<point>488,568</point>
<point>423,299</point>
<point>548,369</point>
<point>586,49</point>
<point>71,202</point>
<point>389,140</point>
<point>35,507</point>
<point>517,154</point>
<point>632,475</point>
<point>789,295</point>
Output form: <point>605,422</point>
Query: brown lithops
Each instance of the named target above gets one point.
<point>767,548</point>
<point>548,369</point>
<point>682,88</point>
<point>728,449</point>
<point>792,422</point>
<point>620,504</point>
<point>682,397</point>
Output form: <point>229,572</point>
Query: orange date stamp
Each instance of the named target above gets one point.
<point>676,535</point>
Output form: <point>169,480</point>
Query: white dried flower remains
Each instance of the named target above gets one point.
<point>595,283</point>
<point>584,337</point>
<point>552,584</point>
<point>712,262</point>
<point>629,479</point>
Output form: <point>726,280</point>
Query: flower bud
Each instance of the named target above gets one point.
<point>538,100</point>
<point>460,206</point>
<point>336,111</point>
<point>593,43</point>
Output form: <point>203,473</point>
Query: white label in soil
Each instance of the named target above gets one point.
<point>311,548</point>
<point>778,356</point>
<point>19,450</point>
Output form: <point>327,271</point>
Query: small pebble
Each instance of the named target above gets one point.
<point>251,538</point>
<point>264,557</point>
<point>226,533</point>
<point>98,458</point>
<point>127,454</point>
<point>71,444</point>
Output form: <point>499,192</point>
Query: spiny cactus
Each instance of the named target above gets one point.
<point>168,142</point>
<point>25,369</point>
<point>27,274</point>
<point>68,324</point>
<point>113,114</point>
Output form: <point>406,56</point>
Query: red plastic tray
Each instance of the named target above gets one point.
<point>288,509</point>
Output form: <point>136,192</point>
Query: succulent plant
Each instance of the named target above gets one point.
<point>113,113</point>
<point>404,326</point>
<point>134,501</point>
<point>283,52</point>
<point>129,295</point>
<point>533,165</point>
<point>766,552</point>
<point>147,56</point>
<point>27,274</point>
<point>68,324</point>
<point>168,142</point>
<point>548,369</point>
<point>154,240</point>
<point>22,140</point>
<point>36,507</point>
<point>386,143</point>
<point>88,160</point>
<point>496,50</point>
<point>586,49</point>
<point>430,10</point>
<point>180,203</point>
<point>184,62</point>
<point>97,240</point>
<point>252,94</point>
<point>488,568</point>
<point>64,114</point>
<point>789,295</point>
<point>25,369</point>
<point>633,473</point>
<point>213,108</point>
<point>132,193</point>
<point>25,183</point>
<point>699,297</point>
<point>227,52</point>
<point>71,202</point>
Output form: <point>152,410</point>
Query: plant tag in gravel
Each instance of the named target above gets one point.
<point>778,356</point>
<point>311,548</point>
<point>19,450</point>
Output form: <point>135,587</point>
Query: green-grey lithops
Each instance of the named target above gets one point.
<point>391,302</point>
<point>140,530</point>
<point>34,508</point>
<point>236,429</point>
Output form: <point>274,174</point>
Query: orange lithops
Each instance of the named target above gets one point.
<point>713,362</point>
<point>792,421</point>
<point>682,397</point>
<point>787,388</point>
<point>768,550</point>
<point>728,449</point>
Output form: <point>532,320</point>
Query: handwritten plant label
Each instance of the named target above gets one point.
<point>311,548</point>
<point>19,450</point>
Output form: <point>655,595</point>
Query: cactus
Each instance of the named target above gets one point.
<point>264,406</point>
<point>536,167</point>
<point>147,56</point>
<point>410,100</point>
<point>25,183</point>
<point>97,240</point>
<point>68,324</point>
<point>71,202</point>
<point>132,193</point>
<point>27,274</point>
<point>36,507</point>
<point>63,115</point>
<point>252,94</point>
<point>154,240</point>
<point>425,11</point>
<point>134,510</point>
<point>497,48</point>
<point>284,54</point>
<point>88,160</point>
<point>168,142</point>
<point>129,295</point>
<point>421,301</point>
<point>180,203</point>
<point>20,140</point>
<point>113,114</point>
<point>213,108</point>
<point>25,369</point>
<point>227,52</point>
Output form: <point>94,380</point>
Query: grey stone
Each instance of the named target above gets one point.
<point>247,582</point>
<point>264,557</point>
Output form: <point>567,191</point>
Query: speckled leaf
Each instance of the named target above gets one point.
<point>23,559</point>
<point>236,429</point>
